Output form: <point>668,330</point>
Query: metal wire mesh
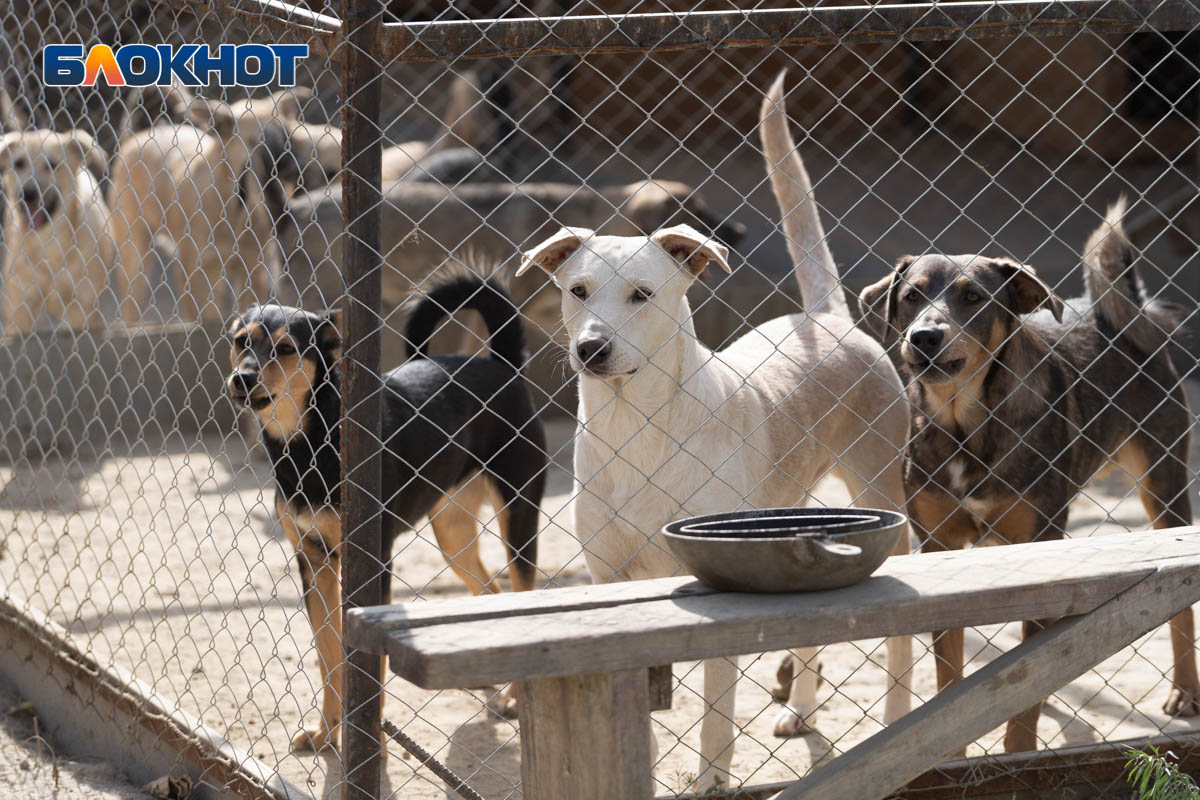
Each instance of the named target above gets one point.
<point>140,227</point>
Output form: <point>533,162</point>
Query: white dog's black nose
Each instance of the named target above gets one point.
<point>593,350</point>
<point>926,340</point>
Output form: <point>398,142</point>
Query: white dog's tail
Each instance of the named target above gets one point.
<point>815,271</point>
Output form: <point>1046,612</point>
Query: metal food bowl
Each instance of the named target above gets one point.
<point>785,549</point>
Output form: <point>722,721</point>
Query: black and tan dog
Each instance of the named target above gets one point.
<point>458,430</point>
<point>1016,409</point>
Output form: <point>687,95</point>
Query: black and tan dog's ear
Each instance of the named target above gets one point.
<point>877,302</point>
<point>691,248</point>
<point>550,254</point>
<point>328,334</point>
<point>1027,290</point>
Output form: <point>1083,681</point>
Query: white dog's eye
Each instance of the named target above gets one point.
<point>579,292</point>
<point>912,296</point>
<point>641,295</point>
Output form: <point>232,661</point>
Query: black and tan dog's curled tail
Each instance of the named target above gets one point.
<point>1115,289</point>
<point>488,296</point>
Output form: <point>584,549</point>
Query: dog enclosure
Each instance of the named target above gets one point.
<point>146,577</point>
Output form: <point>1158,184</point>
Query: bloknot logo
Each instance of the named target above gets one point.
<point>192,64</point>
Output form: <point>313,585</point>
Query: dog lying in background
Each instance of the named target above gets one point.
<point>458,430</point>
<point>756,425</point>
<point>198,185</point>
<point>1021,399</point>
<point>56,237</point>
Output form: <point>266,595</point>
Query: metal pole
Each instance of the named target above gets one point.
<point>361,442</point>
<point>587,35</point>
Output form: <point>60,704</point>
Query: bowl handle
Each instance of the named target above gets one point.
<point>828,546</point>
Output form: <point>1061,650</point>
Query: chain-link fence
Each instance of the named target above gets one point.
<point>173,491</point>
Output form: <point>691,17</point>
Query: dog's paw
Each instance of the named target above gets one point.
<point>1182,702</point>
<point>785,674</point>
<point>791,723</point>
<point>311,739</point>
<point>711,781</point>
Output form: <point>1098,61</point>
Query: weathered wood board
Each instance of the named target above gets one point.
<point>491,640</point>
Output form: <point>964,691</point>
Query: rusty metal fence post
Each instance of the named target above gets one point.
<point>362,457</point>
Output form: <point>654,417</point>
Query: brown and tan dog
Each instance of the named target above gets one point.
<point>1016,409</point>
<point>55,230</point>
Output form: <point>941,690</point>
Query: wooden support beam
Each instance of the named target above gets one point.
<point>1008,685</point>
<point>586,737</point>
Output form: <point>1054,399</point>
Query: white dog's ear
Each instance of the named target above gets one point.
<point>7,144</point>
<point>692,248</point>
<point>550,254</point>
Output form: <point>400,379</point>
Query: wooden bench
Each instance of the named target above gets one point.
<point>586,655</point>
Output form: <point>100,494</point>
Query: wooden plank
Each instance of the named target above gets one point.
<point>99,711</point>
<point>586,737</point>
<point>914,594</point>
<point>1084,766</point>
<point>368,628</point>
<point>1011,683</point>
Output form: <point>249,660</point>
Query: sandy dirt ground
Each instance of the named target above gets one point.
<point>164,558</point>
<point>32,768</point>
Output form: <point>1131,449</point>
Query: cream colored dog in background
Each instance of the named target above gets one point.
<point>58,252</point>
<point>668,428</point>
<point>199,186</point>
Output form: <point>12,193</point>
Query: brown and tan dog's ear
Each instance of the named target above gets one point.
<point>1028,291</point>
<point>878,301</point>
<point>550,254</point>
<point>692,248</point>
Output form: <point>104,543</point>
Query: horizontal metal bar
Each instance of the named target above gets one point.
<point>717,30</point>
<point>827,25</point>
<point>290,22</point>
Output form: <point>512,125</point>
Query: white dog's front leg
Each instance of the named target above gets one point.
<point>717,728</point>
<point>898,700</point>
<point>798,714</point>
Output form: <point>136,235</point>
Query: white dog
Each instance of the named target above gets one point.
<point>59,252</point>
<point>668,428</point>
